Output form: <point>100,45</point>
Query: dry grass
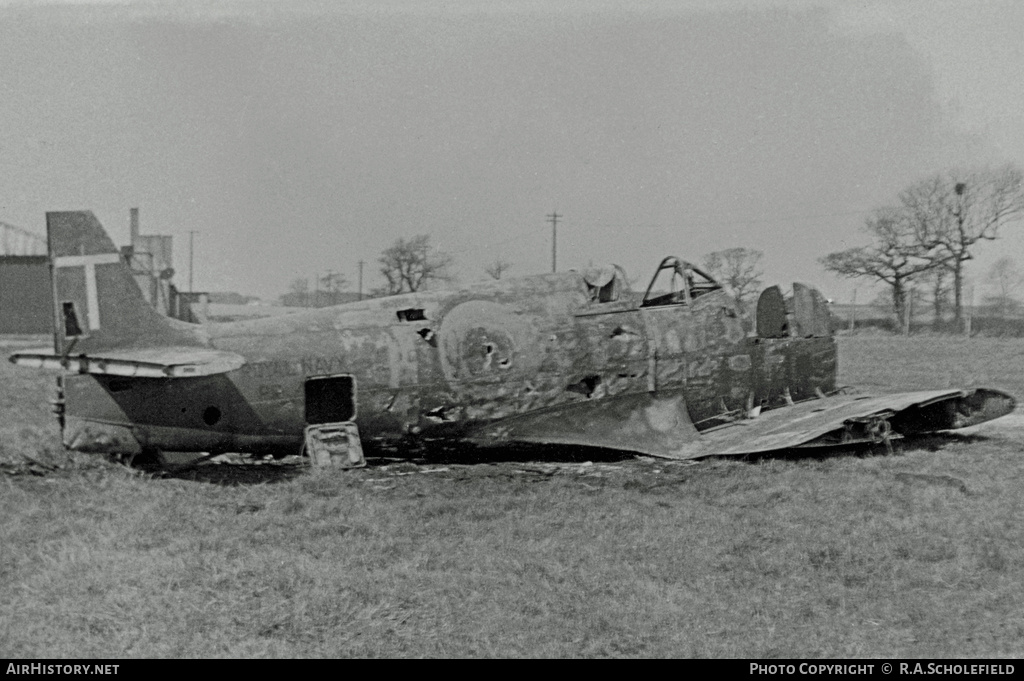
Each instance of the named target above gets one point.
<point>28,431</point>
<point>886,363</point>
<point>915,555</point>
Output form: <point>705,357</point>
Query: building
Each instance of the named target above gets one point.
<point>151,257</point>
<point>26,299</point>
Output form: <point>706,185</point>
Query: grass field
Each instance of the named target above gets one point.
<point>915,555</point>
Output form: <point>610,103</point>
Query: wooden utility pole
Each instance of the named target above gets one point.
<point>553,219</point>
<point>361,280</point>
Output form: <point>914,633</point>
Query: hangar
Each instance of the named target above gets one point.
<point>25,298</point>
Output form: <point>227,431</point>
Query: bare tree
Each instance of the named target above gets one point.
<point>938,281</point>
<point>497,268</point>
<point>1007,279</point>
<point>408,265</point>
<point>952,212</point>
<point>332,284</point>
<point>736,269</point>
<point>298,293</point>
<point>894,258</point>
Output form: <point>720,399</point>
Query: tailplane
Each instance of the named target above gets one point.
<point>97,302</point>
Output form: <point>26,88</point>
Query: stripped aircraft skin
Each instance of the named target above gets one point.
<point>572,358</point>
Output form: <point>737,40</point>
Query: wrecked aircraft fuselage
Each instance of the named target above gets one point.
<point>569,358</point>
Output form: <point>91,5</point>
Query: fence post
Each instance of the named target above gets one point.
<point>853,309</point>
<point>908,311</point>
<point>970,314</point>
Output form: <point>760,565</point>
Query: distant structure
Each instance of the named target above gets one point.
<point>15,241</point>
<point>151,257</point>
<point>26,300</point>
<point>189,306</point>
<point>319,298</point>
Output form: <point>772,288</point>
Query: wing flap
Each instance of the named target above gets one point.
<point>155,362</point>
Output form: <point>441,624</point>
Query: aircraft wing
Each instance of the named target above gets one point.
<point>849,419</point>
<point>660,426</point>
<point>153,362</point>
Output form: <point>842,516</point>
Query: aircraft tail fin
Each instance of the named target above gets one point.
<point>98,305</point>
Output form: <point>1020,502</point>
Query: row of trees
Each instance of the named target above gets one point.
<point>930,233</point>
<point>924,239</point>
<point>407,265</point>
<point>410,264</point>
<point>329,289</point>
<point>1006,279</point>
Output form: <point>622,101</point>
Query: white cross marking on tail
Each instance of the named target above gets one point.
<point>92,300</point>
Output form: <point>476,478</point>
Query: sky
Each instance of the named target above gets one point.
<point>300,138</point>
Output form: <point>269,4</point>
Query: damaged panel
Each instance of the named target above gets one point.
<point>643,423</point>
<point>412,314</point>
<point>705,348</point>
<point>846,419</point>
<point>788,370</point>
<point>613,351</point>
<point>811,317</point>
<point>666,328</point>
<point>772,321</point>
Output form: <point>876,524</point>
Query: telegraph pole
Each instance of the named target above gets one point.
<point>361,279</point>
<point>960,188</point>
<point>191,235</point>
<point>553,219</point>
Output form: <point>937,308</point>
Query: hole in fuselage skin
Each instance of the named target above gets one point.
<point>411,315</point>
<point>211,415</point>
<point>429,336</point>
<point>585,387</point>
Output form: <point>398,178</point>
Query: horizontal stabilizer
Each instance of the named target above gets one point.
<point>157,362</point>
